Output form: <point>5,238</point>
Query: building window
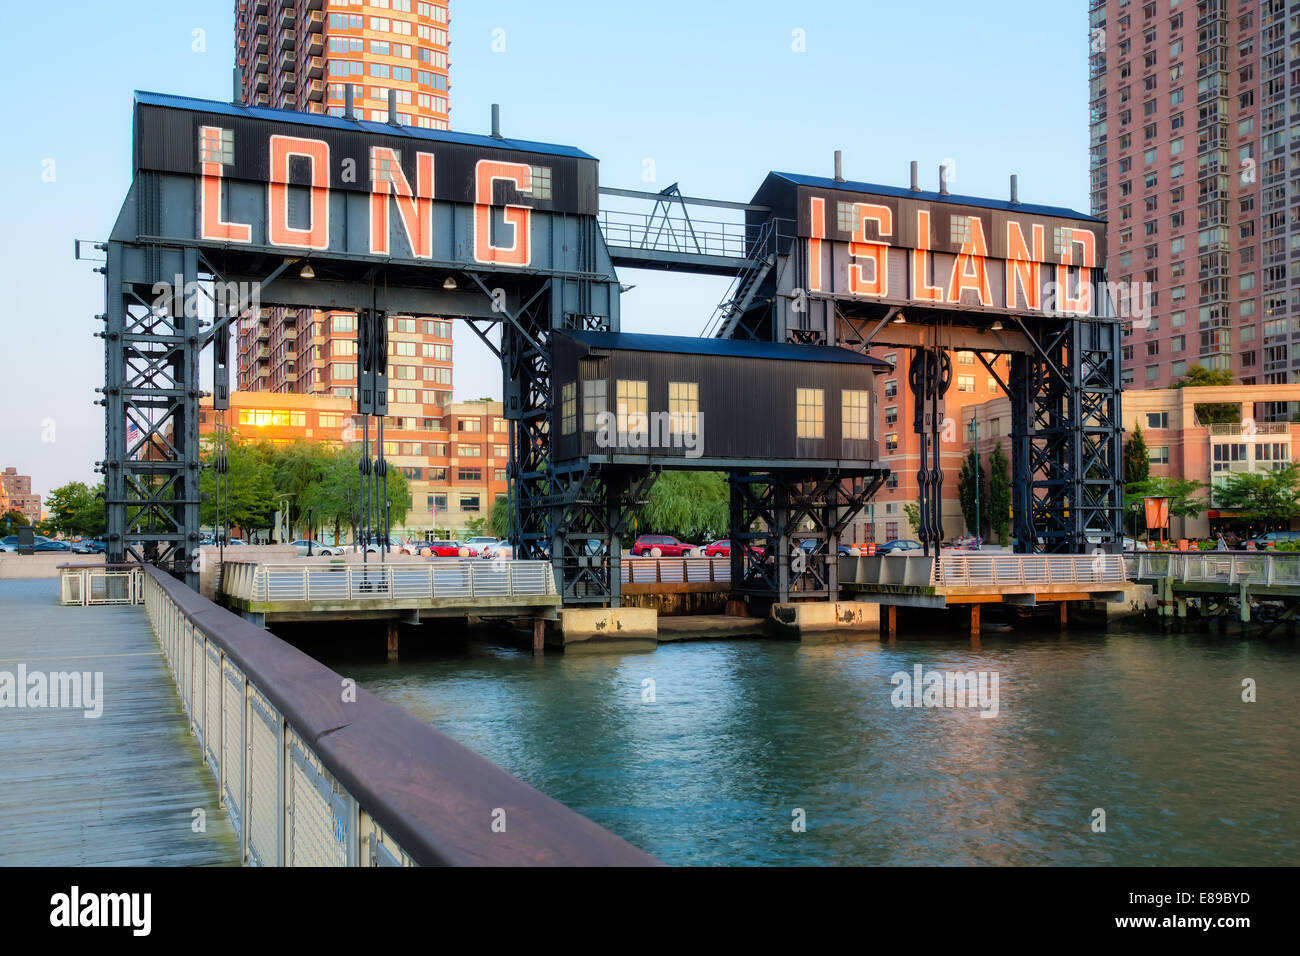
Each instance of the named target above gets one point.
<point>633,409</point>
<point>683,407</point>
<point>595,402</point>
<point>856,407</point>
<point>811,420</point>
<point>468,451</point>
<point>891,442</point>
<point>1157,419</point>
<point>467,424</point>
<point>965,383</point>
<point>891,388</point>
<point>891,415</point>
<point>469,474</point>
<point>568,408</point>
<point>469,502</point>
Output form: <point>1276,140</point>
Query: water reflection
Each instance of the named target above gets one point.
<point>739,735</point>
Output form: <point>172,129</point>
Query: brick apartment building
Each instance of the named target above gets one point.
<point>18,495</point>
<point>1195,163</point>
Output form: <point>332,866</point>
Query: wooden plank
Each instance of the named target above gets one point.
<point>119,789</point>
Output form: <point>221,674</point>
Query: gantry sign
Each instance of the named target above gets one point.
<point>864,266</point>
<point>227,200</point>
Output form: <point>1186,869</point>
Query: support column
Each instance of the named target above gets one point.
<point>975,622</point>
<point>891,621</point>
<point>392,640</point>
<point>1064,619</point>
<point>539,636</point>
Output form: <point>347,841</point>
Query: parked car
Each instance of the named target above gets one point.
<point>1272,539</point>
<point>48,545</point>
<point>495,548</point>
<point>316,547</point>
<point>899,546</point>
<point>12,540</point>
<point>718,549</point>
<point>8,548</point>
<point>481,542</point>
<point>450,549</point>
<point>663,546</point>
<point>88,546</point>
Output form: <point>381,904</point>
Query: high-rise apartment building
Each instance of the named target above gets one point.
<point>300,54</point>
<point>1195,163</point>
<point>18,494</point>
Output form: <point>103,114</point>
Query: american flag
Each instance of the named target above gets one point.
<point>132,437</point>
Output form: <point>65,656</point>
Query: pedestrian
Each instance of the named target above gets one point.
<point>1222,544</point>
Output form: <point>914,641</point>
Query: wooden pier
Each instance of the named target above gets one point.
<point>118,789</point>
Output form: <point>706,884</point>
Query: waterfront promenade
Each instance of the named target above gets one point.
<point>117,789</point>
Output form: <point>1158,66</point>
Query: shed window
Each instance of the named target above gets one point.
<point>595,403</point>
<point>633,412</point>
<point>854,414</point>
<point>811,404</point>
<point>568,408</point>
<point>683,407</point>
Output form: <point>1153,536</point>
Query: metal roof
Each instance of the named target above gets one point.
<point>903,192</point>
<point>337,122</point>
<point>738,348</point>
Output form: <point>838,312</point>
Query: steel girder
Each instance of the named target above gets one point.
<point>1066,437</point>
<point>773,513</point>
<point>150,396</point>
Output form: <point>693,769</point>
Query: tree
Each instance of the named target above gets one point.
<point>973,493</point>
<point>1000,494</point>
<point>690,505</point>
<point>250,488</point>
<point>77,509</point>
<point>1137,460</point>
<point>500,520</point>
<point>477,527</point>
<point>912,511</point>
<point>13,520</point>
<point>1211,413</point>
<point>1269,497</point>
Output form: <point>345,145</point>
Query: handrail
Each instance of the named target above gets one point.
<point>1257,568</point>
<point>963,570</point>
<point>435,579</point>
<point>312,769</point>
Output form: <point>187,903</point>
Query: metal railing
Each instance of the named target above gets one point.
<point>314,772</point>
<point>90,584</point>
<point>996,570</point>
<point>375,581</point>
<point>1262,569</point>
<point>663,233</point>
<point>675,570</point>
<point>991,570</point>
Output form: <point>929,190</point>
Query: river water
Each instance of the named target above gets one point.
<point>713,752</point>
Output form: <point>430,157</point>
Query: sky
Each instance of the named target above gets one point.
<point>711,96</point>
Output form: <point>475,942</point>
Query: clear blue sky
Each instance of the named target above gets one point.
<point>714,93</point>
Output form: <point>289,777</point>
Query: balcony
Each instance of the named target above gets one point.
<point>287,39</point>
<point>315,4</point>
<point>316,22</point>
<point>315,43</point>
<point>288,82</point>
<point>259,43</point>
<point>316,91</point>
<point>261,83</point>
<point>315,67</point>
<point>287,61</point>
<point>259,8</point>
<point>286,17</point>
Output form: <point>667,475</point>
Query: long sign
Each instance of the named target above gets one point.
<point>328,185</point>
<point>905,251</point>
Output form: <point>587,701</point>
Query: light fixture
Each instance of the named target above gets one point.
<point>307,271</point>
<point>449,283</point>
<point>899,319</point>
<point>996,326</point>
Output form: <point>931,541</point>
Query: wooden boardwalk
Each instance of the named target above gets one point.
<point>119,789</point>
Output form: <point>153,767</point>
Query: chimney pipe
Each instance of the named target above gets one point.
<point>239,86</point>
<point>943,180</point>
<point>392,108</point>
<point>916,178</point>
<point>496,121</point>
<point>348,112</point>
<point>839,166</point>
<point>1015,190</point>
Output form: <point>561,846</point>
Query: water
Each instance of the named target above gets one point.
<point>742,734</point>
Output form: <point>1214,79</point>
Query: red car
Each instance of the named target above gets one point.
<point>663,546</point>
<point>718,549</point>
<point>449,549</point>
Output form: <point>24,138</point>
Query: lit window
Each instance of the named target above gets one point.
<point>633,411</point>
<point>568,408</point>
<point>595,402</point>
<point>683,407</point>
<point>856,406</point>
<point>811,421</point>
